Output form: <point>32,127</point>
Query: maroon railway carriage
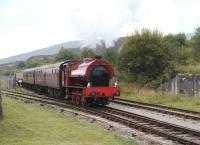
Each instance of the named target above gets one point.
<point>83,82</point>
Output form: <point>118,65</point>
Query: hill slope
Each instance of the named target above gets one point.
<point>44,51</point>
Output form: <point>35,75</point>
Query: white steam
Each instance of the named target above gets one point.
<point>102,19</point>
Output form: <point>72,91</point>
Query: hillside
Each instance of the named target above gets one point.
<point>44,51</point>
<point>52,50</point>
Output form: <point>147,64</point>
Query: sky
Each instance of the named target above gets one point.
<point>27,25</point>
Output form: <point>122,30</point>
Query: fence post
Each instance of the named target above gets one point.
<point>1,107</point>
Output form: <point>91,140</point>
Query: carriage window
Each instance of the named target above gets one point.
<point>44,75</point>
<point>56,74</point>
<point>52,74</point>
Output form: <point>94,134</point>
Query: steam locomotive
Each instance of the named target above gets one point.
<point>82,82</point>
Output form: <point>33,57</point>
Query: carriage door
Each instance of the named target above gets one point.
<point>64,76</point>
<point>34,76</point>
<point>67,74</point>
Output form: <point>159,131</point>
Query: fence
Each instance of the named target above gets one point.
<point>187,84</point>
<point>5,83</point>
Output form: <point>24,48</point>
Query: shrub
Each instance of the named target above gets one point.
<point>145,57</point>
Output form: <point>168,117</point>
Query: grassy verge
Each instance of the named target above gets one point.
<point>21,89</point>
<point>26,124</point>
<point>193,69</point>
<point>133,92</point>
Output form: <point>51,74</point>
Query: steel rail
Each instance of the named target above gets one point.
<point>161,109</point>
<point>131,120</point>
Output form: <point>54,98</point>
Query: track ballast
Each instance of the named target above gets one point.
<point>169,131</point>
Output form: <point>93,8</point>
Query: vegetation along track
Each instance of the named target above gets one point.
<point>158,108</point>
<point>173,132</point>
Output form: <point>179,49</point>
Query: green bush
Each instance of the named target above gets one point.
<point>145,57</point>
<point>65,54</point>
<point>178,47</point>
<point>87,53</point>
<point>111,55</point>
<point>196,44</point>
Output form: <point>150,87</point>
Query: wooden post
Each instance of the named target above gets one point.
<point>1,107</point>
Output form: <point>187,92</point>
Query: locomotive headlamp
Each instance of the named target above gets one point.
<point>93,93</point>
<point>116,84</point>
<point>88,85</point>
<point>117,93</point>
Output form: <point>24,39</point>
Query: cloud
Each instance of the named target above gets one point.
<point>29,25</point>
<point>101,19</point>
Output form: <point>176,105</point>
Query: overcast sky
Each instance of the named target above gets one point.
<point>26,25</point>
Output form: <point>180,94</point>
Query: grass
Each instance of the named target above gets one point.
<point>193,69</point>
<point>27,124</point>
<point>131,91</point>
<point>21,89</point>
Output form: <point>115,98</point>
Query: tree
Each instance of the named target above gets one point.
<point>87,53</point>
<point>178,47</point>
<point>111,55</point>
<point>196,43</point>
<point>178,40</point>
<point>145,56</point>
<point>20,64</point>
<point>65,54</point>
<point>30,63</point>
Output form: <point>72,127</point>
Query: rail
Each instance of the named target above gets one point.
<point>173,132</point>
<point>158,108</point>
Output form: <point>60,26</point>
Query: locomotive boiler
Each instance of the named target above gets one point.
<point>83,82</point>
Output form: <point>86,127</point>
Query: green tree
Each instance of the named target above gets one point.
<point>87,52</point>
<point>196,43</point>
<point>178,47</point>
<point>30,63</point>
<point>145,56</point>
<point>20,64</point>
<point>65,54</point>
<point>111,55</point>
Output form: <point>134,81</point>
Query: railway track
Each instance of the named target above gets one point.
<point>161,109</point>
<point>170,131</point>
<point>152,107</point>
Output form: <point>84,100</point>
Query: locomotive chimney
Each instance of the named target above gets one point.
<point>98,57</point>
